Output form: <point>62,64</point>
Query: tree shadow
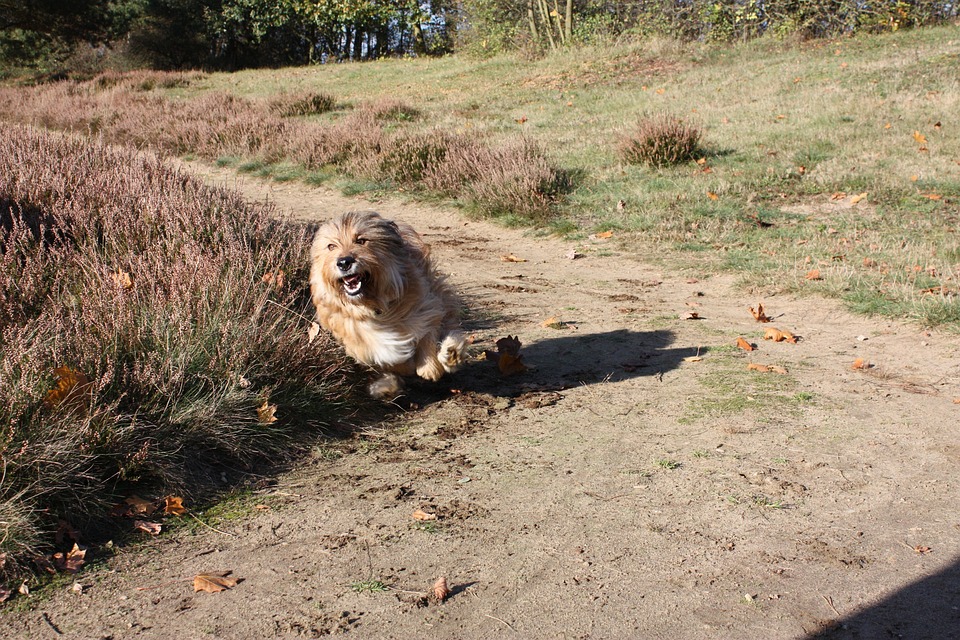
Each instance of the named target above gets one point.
<point>928,609</point>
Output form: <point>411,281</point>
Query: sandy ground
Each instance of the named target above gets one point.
<point>620,488</point>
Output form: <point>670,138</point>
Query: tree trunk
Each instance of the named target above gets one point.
<point>568,21</point>
<point>532,19</point>
<point>545,14</point>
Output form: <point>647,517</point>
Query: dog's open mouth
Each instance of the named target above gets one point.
<point>352,284</point>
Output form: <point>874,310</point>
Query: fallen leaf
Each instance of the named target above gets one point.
<point>521,119</point>
<point>759,315</point>
<point>78,588</point>
<point>919,137</point>
<point>813,274</point>
<point>262,507</point>
<point>857,198</point>
<point>603,235</point>
<point>838,195</point>
<point>743,344</point>
<point>440,591</point>
<point>5,593</point>
<point>153,528</point>
<point>313,332</point>
<point>860,363</point>
<point>779,336</point>
<point>122,279</point>
<point>423,516</point>
<point>692,315</point>
<point>510,364</point>
<point>660,92</point>
<point>922,549</point>
<point>507,356</point>
<point>512,258</point>
<point>552,323</point>
<point>931,196</point>
<point>71,561</point>
<point>139,506</point>
<point>72,390</point>
<point>712,195</point>
<point>24,590</point>
<point>573,255</point>
<point>956,400</point>
<point>266,413</point>
<point>173,505</point>
<point>763,368</point>
<point>213,582</point>
<point>937,125</point>
<point>693,359</point>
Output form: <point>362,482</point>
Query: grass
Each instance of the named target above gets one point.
<point>786,127</point>
<point>123,370</point>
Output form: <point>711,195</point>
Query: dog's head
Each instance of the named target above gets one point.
<point>360,258</point>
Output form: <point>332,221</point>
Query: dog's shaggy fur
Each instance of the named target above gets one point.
<point>377,291</point>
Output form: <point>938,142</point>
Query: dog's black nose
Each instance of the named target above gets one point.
<point>345,263</point>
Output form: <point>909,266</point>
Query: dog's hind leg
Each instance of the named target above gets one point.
<point>389,385</point>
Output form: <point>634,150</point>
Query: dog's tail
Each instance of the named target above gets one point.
<point>453,351</point>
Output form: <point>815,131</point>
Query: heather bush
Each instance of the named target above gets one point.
<point>165,312</point>
<point>370,141</point>
<point>303,105</point>
<point>659,141</point>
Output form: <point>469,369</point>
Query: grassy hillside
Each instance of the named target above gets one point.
<point>794,133</point>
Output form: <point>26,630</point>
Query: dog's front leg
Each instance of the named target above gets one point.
<point>428,366</point>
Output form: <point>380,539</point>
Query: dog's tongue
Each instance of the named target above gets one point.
<point>352,283</point>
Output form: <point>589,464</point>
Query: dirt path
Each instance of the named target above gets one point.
<point>618,489</point>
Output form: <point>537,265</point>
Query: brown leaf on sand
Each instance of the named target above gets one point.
<point>859,364</point>
<point>779,336</point>
<point>759,315</point>
<point>743,344</point>
<point>813,274</point>
<point>512,258</point>
<point>763,368</point>
<point>507,356</point>
<point>138,506</point>
<point>423,516</point>
<point>214,582</point>
<point>440,591</point>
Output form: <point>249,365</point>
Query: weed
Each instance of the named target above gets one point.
<point>369,586</point>
<point>668,464</point>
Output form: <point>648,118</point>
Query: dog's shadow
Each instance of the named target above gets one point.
<point>573,359</point>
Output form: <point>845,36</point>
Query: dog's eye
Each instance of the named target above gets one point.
<point>331,247</point>
<point>361,241</point>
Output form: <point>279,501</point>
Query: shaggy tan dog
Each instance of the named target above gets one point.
<point>377,291</point>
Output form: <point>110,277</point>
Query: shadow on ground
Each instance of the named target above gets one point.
<point>928,609</point>
<point>569,360</point>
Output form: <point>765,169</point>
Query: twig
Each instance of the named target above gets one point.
<point>289,310</point>
<point>503,621</point>
<point>226,533</point>
<point>829,601</point>
<point>50,624</point>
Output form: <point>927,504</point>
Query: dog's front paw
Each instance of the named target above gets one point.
<point>387,386</point>
<point>453,351</point>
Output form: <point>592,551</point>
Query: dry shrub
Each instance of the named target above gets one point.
<point>368,142</point>
<point>660,140</point>
<point>303,105</point>
<point>178,357</point>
